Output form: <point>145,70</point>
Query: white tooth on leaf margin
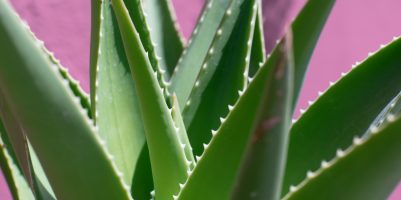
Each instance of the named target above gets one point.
<point>310,174</point>
<point>390,118</point>
<point>357,141</point>
<point>293,188</point>
<point>340,153</point>
<point>324,164</point>
<point>374,129</point>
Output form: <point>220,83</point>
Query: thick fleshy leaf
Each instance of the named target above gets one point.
<point>209,99</point>
<point>219,164</point>
<point>167,155</point>
<point>18,148</point>
<point>15,137</point>
<point>53,118</point>
<point>306,30</point>
<point>346,110</point>
<point>182,133</point>
<point>258,52</point>
<point>165,32</point>
<point>43,188</point>
<point>262,170</point>
<point>17,184</point>
<point>205,46</point>
<point>140,21</point>
<point>368,169</point>
<point>116,110</point>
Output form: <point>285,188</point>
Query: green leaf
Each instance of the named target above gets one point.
<point>17,184</point>
<point>368,169</point>
<point>346,110</point>
<point>208,39</point>
<point>167,156</point>
<point>116,107</point>
<point>15,138</point>
<point>219,164</point>
<point>182,133</point>
<point>306,30</point>
<point>42,187</point>
<point>258,52</point>
<point>142,183</point>
<point>165,32</point>
<point>18,147</point>
<point>210,98</point>
<point>263,166</point>
<point>53,118</point>
<point>139,20</point>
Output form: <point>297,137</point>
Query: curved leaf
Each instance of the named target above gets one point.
<point>258,52</point>
<point>209,98</point>
<point>346,110</point>
<point>207,40</point>
<point>219,164</point>
<point>167,155</point>
<point>368,169</point>
<point>115,101</point>
<point>17,184</point>
<point>54,120</point>
<point>262,169</point>
<point>165,32</point>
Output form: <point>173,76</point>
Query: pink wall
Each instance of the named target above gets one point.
<point>355,28</point>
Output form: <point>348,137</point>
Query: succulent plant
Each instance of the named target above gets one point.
<point>206,119</point>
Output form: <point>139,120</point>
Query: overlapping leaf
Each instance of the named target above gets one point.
<point>346,110</point>
<point>61,132</point>
<point>167,155</point>
<point>209,99</point>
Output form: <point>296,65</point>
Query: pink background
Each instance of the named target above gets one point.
<point>355,28</point>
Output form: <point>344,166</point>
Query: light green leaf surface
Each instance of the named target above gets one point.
<point>262,169</point>
<point>344,111</point>
<point>59,130</point>
<point>164,32</point>
<point>219,164</point>
<point>18,147</point>
<point>115,101</point>
<point>17,184</point>
<point>369,169</point>
<point>209,99</point>
<point>207,40</point>
<point>258,52</point>
<point>306,29</point>
<point>140,21</point>
<point>182,133</point>
<point>167,155</point>
<point>43,188</point>
<point>15,137</point>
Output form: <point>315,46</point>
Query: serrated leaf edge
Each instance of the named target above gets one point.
<point>77,99</point>
<point>332,84</point>
<point>340,154</point>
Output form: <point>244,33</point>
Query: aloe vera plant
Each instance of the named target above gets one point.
<point>205,119</point>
